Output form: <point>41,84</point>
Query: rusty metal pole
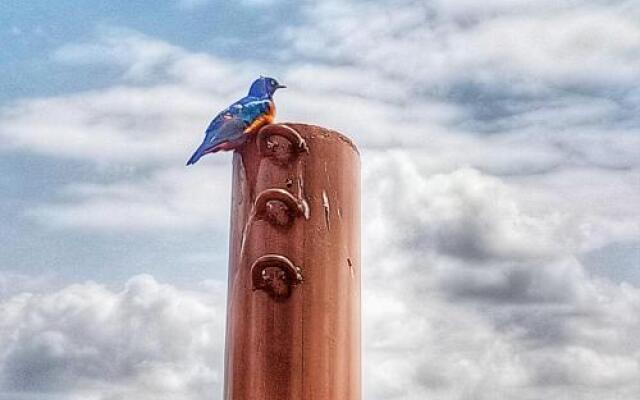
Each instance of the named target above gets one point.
<point>293,311</point>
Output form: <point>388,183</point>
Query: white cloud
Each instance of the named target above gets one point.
<point>137,54</point>
<point>471,295</point>
<point>553,72</point>
<point>146,341</point>
<point>173,199</point>
<point>441,42</point>
<point>158,113</point>
<point>464,214</point>
<point>120,124</point>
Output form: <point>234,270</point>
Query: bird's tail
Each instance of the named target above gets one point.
<point>196,155</point>
<point>206,148</point>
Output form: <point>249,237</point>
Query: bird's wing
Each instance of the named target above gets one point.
<point>251,108</point>
<point>246,109</point>
<point>223,117</point>
<point>225,127</point>
<point>230,125</point>
<point>225,124</point>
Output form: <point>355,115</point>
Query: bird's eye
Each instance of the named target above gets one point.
<point>273,82</point>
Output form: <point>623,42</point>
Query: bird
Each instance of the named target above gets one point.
<point>232,126</point>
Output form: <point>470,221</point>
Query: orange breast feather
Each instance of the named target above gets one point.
<point>262,120</point>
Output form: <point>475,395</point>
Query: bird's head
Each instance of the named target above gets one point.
<point>264,87</point>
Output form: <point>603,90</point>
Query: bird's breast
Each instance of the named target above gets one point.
<point>264,118</point>
<point>271,109</point>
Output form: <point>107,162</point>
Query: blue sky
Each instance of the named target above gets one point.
<point>509,129</point>
<point>241,30</point>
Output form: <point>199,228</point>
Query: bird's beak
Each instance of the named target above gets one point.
<point>281,86</point>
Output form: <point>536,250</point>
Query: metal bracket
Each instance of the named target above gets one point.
<point>279,206</point>
<point>281,143</point>
<point>275,274</point>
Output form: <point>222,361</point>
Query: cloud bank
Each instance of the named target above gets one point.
<point>471,295</point>
<point>146,340</point>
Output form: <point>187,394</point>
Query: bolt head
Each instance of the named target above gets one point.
<point>280,149</point>
<point>276,282</point>
<point>278,213</point>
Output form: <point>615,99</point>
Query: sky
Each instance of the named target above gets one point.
<point>500,147</point>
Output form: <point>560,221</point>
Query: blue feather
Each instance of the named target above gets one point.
<point>226,130</point>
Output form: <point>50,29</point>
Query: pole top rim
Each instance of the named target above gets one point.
<point>322,131</point>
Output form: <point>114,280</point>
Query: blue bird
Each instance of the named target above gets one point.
<point>231,127</point>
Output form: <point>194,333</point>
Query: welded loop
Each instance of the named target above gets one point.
<point>294,206</point>
<point>265,147</point>
<point>292,275</point>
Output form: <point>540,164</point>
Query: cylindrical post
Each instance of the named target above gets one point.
<point>293,311</point>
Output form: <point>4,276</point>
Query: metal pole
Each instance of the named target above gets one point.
<point>293,311</point>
